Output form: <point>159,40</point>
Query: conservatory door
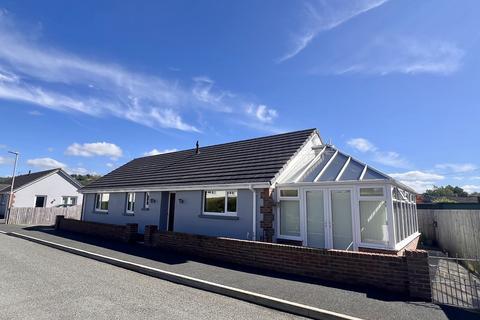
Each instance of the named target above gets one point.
<point>341,219</point>
<point>316,222</point>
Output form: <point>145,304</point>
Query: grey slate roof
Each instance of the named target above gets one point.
<point>24,179</point>
<point>247,161</point>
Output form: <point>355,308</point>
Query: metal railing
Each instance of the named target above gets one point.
<point>453,283</point>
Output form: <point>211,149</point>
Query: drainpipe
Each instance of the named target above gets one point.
<point>254,213</point>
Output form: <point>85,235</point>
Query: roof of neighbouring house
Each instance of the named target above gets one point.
<point>248,161</point>
<point>26,179</point>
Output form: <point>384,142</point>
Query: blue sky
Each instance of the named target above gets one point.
<point>89,85</point>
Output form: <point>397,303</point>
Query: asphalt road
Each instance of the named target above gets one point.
<point>38,282</point>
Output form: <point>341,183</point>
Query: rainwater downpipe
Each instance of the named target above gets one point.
<point>254,213</point>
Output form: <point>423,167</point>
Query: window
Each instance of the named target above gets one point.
<point>371,192</point>
<point>373,222</point>
<point>101,201</point>
<point>146,200</point>
<point>220,202</point>
<point>40,201</point>
<point>130,207</point>
<point>289,193</point>
<point>289,213</point>
<point>68,201</point>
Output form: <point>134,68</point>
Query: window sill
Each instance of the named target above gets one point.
<point>100,212</point>
<point>218,217</point>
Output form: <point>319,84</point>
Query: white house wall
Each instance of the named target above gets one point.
<point>53,186</point>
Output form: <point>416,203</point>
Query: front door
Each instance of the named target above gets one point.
<point>329,218</point>
<point>171,211</point>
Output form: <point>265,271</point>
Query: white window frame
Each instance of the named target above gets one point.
<point>44,201</point>
<point>146,200</point>
<point>278,218</point>
<point>100,195</point>
<point>127,200</point>
<point>225,212</point>
<point>69,198</point>
<point>389,244</point>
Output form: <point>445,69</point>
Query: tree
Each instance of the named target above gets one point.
<point>446,191</point>
<point>85,179</point>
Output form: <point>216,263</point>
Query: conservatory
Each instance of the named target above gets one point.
<point>335,201</point>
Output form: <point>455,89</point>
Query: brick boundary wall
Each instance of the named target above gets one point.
<point>124,233</point>
<point>408,274</point>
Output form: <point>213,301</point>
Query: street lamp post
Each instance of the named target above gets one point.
<point>10,198</point>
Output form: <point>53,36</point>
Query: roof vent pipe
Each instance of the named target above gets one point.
<point>197,149</point>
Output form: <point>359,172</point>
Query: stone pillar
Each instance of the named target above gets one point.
<point>58,222</point>
<point>150,230</point>
<point>131,231</point>
<point>266,209</point>
<point>418,275</point>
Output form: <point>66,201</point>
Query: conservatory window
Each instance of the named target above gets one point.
<point>371,192</point>
<point>289,213</point>
<point>373,222</point>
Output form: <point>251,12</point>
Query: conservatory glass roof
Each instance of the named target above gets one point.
<point>330,164</point>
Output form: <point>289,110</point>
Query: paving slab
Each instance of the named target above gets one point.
<point>353,301</point>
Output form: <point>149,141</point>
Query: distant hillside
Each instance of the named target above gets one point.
<point>85,179</point>
<point>3,179</point>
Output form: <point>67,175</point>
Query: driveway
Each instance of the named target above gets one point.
<point>38,282</point>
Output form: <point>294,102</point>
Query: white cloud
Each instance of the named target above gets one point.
<point>50,78</point>
<point>388,158</point>
<point>4,160</point>
<point>80,170</point>
<point>405,55</point>
<point>262,113</point>
<point>361,144</point>
<point>94,149</point>
<point>471,188</point>
<point>322,16</point>
<point>457,167</point>
<point>46,163</point>
<point>110,165</point>
<point>155,152</point>
<point>418,180</point>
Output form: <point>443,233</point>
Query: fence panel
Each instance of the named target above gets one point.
<point>42,216</point>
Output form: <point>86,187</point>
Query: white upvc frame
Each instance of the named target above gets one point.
<point>69,198</point>
<point>408,228</point>
<point>386,192</point>
<point>100,196</point>
<point>127,201</point>
<point>146,200</point>
<point>225,212</point>
<point>278,218</point>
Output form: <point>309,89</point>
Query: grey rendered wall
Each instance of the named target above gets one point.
<point>189,218</point>
<point>54,187</point>
<point>116,210</point>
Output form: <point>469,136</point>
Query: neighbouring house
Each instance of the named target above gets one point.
<point>50,188</point>
<point>288,188</point>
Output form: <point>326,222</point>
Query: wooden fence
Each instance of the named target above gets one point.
<point>42,216</point>
<point>453,230</point>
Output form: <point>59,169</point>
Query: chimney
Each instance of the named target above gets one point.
<point>197,149</point>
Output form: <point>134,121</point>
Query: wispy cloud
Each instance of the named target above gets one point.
<point>404,55</point>
<point>62,81</point>
<point>471,188</point>
<point>262,113</point>
<point>155,152</point>
<point>457,167</point>
<point>319,16</point>
<point>5,160</point>
<point>418,180</point>
<point>46,163</point>
<point>388,158</point>
<point>94,149</point>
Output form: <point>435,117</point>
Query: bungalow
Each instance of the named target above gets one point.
<point>287,188</point>
<point>50,188</point>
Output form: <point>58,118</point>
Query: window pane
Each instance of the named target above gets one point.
<point>146,200</point>
<point>371,192</point>
<point>104,201</point>
<point>373,222</point>
<point>215,201</point>
<point>40,202</point>
<point>232,201</point>
<point>289,193</point>
<point>290,218</point>
<point>73,201</point>
<point>398,222</point>
<point>342,220</point>
<point>315,219</point>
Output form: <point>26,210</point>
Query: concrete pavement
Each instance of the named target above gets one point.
<point>38,282</point>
